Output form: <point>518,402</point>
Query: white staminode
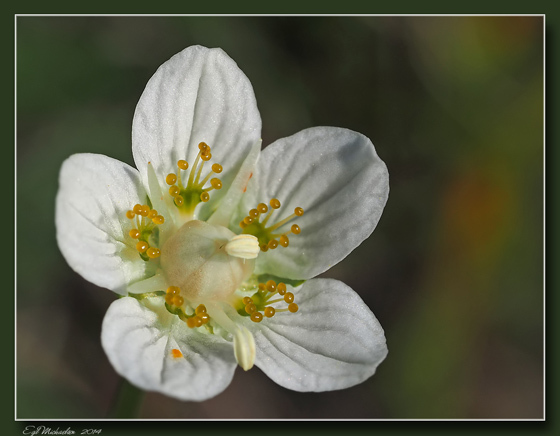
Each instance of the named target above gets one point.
<point>244,348</point>
<point>243,246</point>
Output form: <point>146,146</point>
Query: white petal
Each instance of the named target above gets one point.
<point>94,194</point>
<point>199,95</point>
<point>333,342</point>
<point>139,342</point>
<point>336,176</point>
<point>228,205</point>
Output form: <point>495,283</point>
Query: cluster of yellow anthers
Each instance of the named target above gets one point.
<point>261,301</point>
<point>146,220</point>
<point>194,192</point>
<point>253,225</point>
<point>197,319</point>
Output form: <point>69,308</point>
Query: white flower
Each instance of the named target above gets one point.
<point>213,264</point>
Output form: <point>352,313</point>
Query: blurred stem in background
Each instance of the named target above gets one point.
<point>128,401</point>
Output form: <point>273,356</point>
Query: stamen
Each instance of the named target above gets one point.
<point>261,303</point>
<point>268,239</point>
<point>256,317</point>
<point>142,246</point>
<point>146,221</point>
<point>200,309</point>
<point>178,300</point>
<point>171,179</point>
<point>289,297</point>
<point>153,252</point>
<point>186,197</point>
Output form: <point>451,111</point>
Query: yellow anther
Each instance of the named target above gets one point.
<point>145,210</point>
<point>134,233</point>
<point>153,252</point>
<point>269,311</point>
<point>298,211</point>
<point>173,290</point>
<point>242,224</point>
<point>217,168</point>
<point>206,157</point>
<point>264,248</point>
<point>203,146</point>
<point>256,317</point>
<point>152,214</point>
<point>293,307</point>
<point>204,317</point>
<point>200,309</point>
<point>284,241</point>
<point>205,196</point>
<point>169,299</point>
<point>281,288</point>
<point>272,244</point>
<point>271,286</point>
<point>275,203</point>
<point>130,214</point>
<point>178,300</point>
<point>178,200</point>
<point>191,323</point>
<point>262,208</point>
<point>158,219</point>
<point>176,353</point>
<point>250,308</point>
<point>171,179</point>
<point>182,164</point>
<point>253,213</point>
<point>295,229</point>
<point>137,209</point>
<point>262,287</point>
<point>247,300</point>
<point>174,191</point>
<point>216,183</point>
<point>197,321</point>
<point>289,297</point>
<point>248,220</point>
<point>142,246</point>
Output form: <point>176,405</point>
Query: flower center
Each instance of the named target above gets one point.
<point>144,230</point>
<point>268,237</point>
<point>189,192</point>
<point>207,263</point>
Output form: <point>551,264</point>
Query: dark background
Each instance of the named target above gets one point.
<point>454,270</point>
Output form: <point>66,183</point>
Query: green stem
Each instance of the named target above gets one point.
<point>127,402</point>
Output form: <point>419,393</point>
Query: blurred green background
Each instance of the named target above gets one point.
<point>454,270</point>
